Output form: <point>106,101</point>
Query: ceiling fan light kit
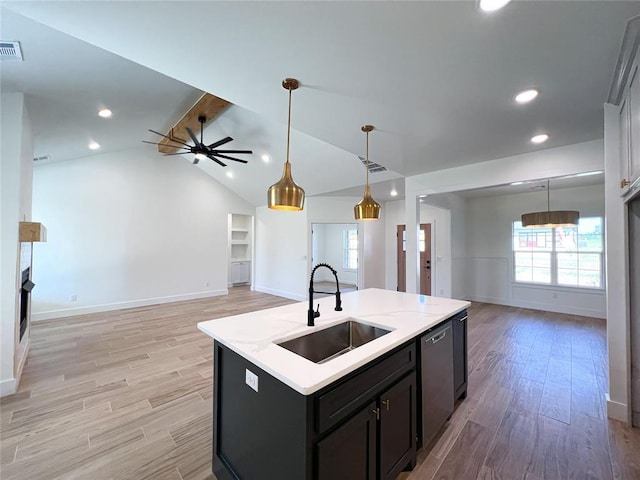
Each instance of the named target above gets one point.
<point>550,218</point>
<point>367,208</point>
<point>286,194</point>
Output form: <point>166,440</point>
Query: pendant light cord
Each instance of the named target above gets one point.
<point>548,203</point>
<point>289,125</point>
<point>367,165</point>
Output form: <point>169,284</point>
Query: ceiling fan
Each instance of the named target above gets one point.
<point>201,150</point>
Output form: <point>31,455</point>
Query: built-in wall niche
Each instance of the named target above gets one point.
<point>240,249</point>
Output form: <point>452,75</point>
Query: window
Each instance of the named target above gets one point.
<point>350,249</point>
<point>566,256</point>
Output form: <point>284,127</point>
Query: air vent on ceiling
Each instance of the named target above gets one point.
<point>373,167</point>
<point>10,51</point>
<point>42,158</point>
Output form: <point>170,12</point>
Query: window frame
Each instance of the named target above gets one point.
<point>553,253</point>
<point>347,249</point>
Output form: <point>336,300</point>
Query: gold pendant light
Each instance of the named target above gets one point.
<point>551,218</point>
<point>367,208</point>
<point>285,194</point>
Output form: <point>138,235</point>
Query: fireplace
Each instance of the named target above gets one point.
<point>26,285</point>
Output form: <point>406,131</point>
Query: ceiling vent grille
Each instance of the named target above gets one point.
<point>42,158</point>
<point>10,51</point>
<point>373,167</point>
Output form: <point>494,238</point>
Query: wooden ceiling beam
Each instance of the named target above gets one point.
<point>208,106</point>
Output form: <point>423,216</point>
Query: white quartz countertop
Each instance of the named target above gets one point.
<point>254,335</point>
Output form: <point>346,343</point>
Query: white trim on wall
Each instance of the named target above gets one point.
<point>281,293</point>
<point>69,312</point>
<point>8,387</point>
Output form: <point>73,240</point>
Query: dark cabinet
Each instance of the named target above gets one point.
<point>398,428</point>
<point>460,365</point>
<point>349,453</point>
<point>379,438</point>
<point>362,427</point>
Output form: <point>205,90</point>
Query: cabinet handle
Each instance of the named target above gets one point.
<point>386,403</point>
<point>437,338</point>
<point>376,411</point>
<point>462,319</point>
<point>624,182</point>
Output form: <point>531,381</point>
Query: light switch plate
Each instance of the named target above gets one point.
<point>251,379</point>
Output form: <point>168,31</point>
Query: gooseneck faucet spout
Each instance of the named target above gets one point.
<point>311,314</point>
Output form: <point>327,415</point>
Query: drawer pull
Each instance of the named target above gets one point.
<point>386,403</point>
<point>437,338</point>
<point>462,319</point>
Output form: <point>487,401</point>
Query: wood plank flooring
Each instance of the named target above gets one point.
<point>536,405</point>
<point>127,395</point>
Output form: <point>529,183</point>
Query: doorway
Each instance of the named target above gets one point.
<point>338,245</point>
<point>424,244</point>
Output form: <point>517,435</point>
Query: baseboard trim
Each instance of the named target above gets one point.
<point>69,312</point>
<point>8,387</point>
<point>617,411</point>
<point>281,293</point>
<point>571,310</point>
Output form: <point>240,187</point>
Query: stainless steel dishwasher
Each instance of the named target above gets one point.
<point>436,362</point>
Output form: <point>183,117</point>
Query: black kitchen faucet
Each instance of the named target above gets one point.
<point>311,314</point>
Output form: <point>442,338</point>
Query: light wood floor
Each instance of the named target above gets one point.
<point>127,395</point>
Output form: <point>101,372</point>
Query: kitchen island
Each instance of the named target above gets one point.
<point>278,415</point>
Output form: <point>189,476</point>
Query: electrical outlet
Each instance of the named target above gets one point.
<point>251,379</point>
<point>74,298</point>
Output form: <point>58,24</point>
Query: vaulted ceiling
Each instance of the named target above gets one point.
<point>437,79</point>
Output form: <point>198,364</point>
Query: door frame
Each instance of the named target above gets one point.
<point>310,260</point>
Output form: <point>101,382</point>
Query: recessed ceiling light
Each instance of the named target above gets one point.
<point>526,96</point>
<point>94,145</point>
<point>517,183</point>
<point>230,174</point>
<point>104,113</point>
<point>492,5</point>
<point>393,193</point>
<point>541,138</point>
<point>586,174</point>
<point>265,158</point>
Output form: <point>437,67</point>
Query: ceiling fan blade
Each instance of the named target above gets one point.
<point>193,136</point>
<point>215,152</point>
<point>220,142</point>
<point>177,153</point>
<point>211,157</point>
<point>176,140</point>
<point>229,158</point>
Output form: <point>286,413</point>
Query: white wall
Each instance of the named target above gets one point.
<point>281,253</point>
<point>329,238</point>
<point>15,179</point>
<point>127,229</point>
<point>283,246</point>
<point>490,259</point>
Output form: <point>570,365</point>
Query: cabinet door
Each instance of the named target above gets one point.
<point>634,125</point>
<point>624,140</point>
<point>240,272</point>
<point>349,453</point>
<point>398,427</point>
<point>460,356</point>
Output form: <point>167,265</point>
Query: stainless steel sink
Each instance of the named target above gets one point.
<point>324,345</point>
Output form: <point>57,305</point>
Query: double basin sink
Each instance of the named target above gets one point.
<point>329,343</point>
